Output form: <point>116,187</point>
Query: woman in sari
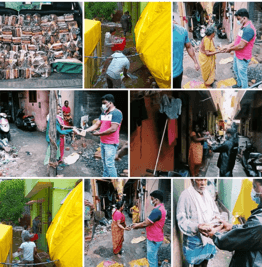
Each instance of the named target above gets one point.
<point>135,213</point>
<point>207,57</point>
<point>195,151</point>
<point>118,227</point>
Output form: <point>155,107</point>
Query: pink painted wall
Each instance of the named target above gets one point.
<point>39,109</point>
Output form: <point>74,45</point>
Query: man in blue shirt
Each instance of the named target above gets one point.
<point>180,40</point>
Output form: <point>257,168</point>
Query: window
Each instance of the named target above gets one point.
<point>32,96</point>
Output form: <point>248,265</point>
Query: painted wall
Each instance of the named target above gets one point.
<point>40,109</point>
<point>145,141</point>
<point>52,199</point>
<point>228,191</point>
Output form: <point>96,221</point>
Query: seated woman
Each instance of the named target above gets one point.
<point>207,57</point>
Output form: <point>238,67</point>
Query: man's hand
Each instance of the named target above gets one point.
<point>96,133</point>
<point>134,226</point>
<point>197,67</point>
<point>214,230</point>
<point>226,226</point>
<point>204,229</point>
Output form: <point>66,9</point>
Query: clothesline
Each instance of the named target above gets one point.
<point>27,264</point>
<point>136,54</point>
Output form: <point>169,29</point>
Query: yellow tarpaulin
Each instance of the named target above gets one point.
<point>6,237</point>
<point>153,40</point>
<point>64,236</point>
<point>244,203</point>
<point>92,36</point>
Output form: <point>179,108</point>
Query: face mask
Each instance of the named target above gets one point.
<point>239,22</point>
<point>255,197</point>
<point>104,107</point>
<point>151,202</point>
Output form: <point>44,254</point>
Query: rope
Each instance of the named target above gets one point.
<point>136,54</point>
<point>27,264</point>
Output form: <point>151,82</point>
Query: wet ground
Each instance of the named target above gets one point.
<point>213,170</point>
<point>30,148</point>
<point>140,76</point>
<point>100,248</point>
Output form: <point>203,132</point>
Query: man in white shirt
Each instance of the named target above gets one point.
<point>119,63</point>
<point>29,249</point>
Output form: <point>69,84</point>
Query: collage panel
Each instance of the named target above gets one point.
<point>41,44</point>
<point>128,222</point>
<point>41,222</point>
<point>73,119</point>
<point>127,44</point>
<point>213,133</point>
<point>222,42</point>
<point>217,222</point>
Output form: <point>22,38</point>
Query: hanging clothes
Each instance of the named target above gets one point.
<point>171,108</point>
<point>172,131</point>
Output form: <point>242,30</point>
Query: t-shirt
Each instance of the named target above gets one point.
<point>117,65</point>
<point>66,109</point>
<point>247,34</point>
<point>24,234</point>
<point>180,38</point>
<point>28,250</point>
<point>157,217</point>
<point>115,116</point>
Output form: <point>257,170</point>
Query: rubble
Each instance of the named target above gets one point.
<point>254,72</point>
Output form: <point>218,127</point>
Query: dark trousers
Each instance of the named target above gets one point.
<point>177,81</point>
<point>227,174</point>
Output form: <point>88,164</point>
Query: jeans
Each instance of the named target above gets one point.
<point>108,153</point>
<point>152,249</point>
<point>240,70</point>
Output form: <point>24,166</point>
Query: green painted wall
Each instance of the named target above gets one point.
<point>135,9</point>
<point>53,197</point>
<point>228,191</point>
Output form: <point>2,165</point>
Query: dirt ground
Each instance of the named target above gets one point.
<point>223,71</point>
<point>100,248</point>
<point>31,149</point>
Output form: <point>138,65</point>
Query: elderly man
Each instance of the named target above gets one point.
<point>180,40</point>
<point>109,122</point>
<point>154,227</point>
<point>228,153</point>
<point>242,46</point>
<point>196,210</point>
<point>245,240</point>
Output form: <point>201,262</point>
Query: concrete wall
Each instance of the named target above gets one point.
<point>257,136</point>
<point>40,109</point>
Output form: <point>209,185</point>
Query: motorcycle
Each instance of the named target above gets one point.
<point>26,122</point>
<point>199,32</point>
<point>221,31</point>
<point>4,127</point>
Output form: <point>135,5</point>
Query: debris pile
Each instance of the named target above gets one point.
<point>30,43</point>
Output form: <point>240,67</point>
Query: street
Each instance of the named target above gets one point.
<point>30,149</point>
<point>223,71</point>
<point>101,248</point>
<point>222,259</point>
<point>213,170</point>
